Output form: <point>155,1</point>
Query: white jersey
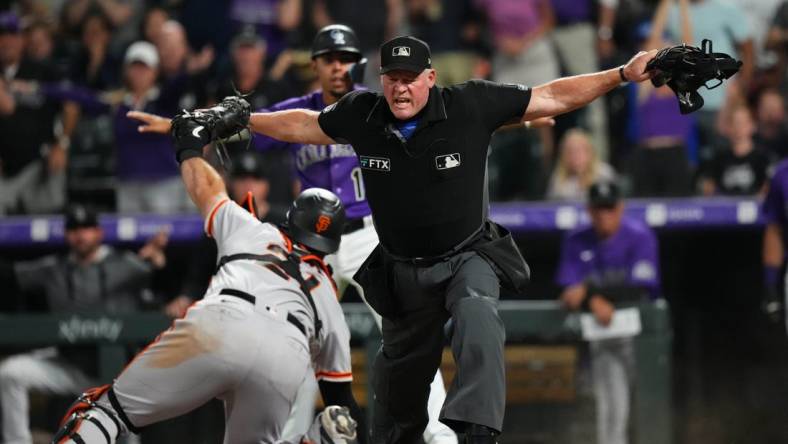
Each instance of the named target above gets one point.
<point>236,231</point>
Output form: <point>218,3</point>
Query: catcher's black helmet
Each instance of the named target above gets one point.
<point>336,38</point>
<point>316,219</point>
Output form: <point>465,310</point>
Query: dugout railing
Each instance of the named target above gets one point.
<point>542,322</point>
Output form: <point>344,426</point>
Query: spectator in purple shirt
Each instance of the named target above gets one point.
<point>611,263</point>
<point>775,241</point>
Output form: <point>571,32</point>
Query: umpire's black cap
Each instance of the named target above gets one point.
<point>336,38</point>
<point>248,164</point>
<point>407,53</point>
<point>80,216</point>
<point>604,194</point>
<point>317,219</point>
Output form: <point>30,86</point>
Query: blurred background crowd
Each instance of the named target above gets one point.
<point>72,69</point>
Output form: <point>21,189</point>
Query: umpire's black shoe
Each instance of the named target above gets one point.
<point>479,434</point>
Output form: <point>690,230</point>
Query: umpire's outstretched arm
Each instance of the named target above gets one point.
<point>570,93</point>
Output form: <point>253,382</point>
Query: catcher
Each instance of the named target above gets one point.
<point>269,318</point>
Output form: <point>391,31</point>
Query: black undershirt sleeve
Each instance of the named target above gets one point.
<point>341,393</point>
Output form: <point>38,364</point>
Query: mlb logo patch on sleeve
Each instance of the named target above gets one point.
<point>446,161</point>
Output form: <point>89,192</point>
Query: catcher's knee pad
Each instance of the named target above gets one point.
<point>87,422</point>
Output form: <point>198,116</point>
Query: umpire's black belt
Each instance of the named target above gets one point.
<point>251,299</point>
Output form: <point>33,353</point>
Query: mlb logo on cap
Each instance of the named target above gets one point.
<point>405,53</point>
<point>401,51</point>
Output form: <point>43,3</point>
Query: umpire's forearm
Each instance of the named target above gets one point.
<point>293,125</point>
<point>571,93</point>
<point>203,183</point>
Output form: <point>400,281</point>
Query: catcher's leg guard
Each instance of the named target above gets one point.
<point>86,422</point>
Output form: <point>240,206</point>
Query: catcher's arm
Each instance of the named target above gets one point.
<point>203,183</point>
<point>292,125</point>
<point>570,93</point>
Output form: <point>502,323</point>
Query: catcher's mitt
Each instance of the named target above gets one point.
<point>194,129</point>
<point>686,68</point>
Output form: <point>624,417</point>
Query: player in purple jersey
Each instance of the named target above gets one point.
<point>775,241</point>
<point>609,264</point>
<point>333,167</point>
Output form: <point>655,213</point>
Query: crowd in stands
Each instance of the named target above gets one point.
<point>71,70</point>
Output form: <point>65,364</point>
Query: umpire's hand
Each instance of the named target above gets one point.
<point>635,69</point>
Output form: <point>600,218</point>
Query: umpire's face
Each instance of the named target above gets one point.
<point>406,91</point>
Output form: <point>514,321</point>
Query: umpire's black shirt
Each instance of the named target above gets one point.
<point>426,193</point>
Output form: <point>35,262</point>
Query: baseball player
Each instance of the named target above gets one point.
<point>335,167</point>
<point>269,320</point>
<point>775,242</point>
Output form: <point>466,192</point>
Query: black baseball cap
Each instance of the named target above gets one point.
<point>407,53</point>
<point>604,194</point>
<point>80,216</point>
<point>248,163</point>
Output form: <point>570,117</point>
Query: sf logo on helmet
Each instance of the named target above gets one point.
<point>323,222</point>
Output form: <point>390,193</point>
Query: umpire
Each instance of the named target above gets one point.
<point>422,151</point>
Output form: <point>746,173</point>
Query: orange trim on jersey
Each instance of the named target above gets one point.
<point>322,265</point>
<point>250,203</point>
<point>209,229</point>
<point>288,242</point>
<point>334,374</point>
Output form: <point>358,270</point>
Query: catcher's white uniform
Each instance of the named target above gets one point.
<point>251,341</point>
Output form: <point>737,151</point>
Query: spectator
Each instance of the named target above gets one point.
<point>39,44</point>
<point>759,15</point>
<point>374,21</point>
<point>123,15</point>
<point>247,175</point>
<point>272,19</point>
<point>523,53</point>
<point>450,28</point>
<point>182,75</point>
<point>152,23</point>
<point>771,127</point>
<point>90,278</point>
<point>578,167</point>
<point>740,167</point>
<point>659,165</point>
<point>95,66</point>
<point>27,130</point>
<point>575,43</point>
<point>777,41</point>
<point>723,23</point>
<point>610,264</point>
<point>248,73</point>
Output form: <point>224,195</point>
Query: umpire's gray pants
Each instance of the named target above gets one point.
<point>612,365</point>
<point>464,289</point>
